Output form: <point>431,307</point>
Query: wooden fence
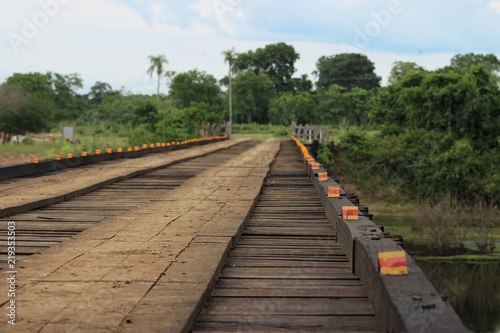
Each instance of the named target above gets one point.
<point>311,132</point>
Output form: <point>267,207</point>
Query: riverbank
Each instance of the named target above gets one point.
<point>398,217</point>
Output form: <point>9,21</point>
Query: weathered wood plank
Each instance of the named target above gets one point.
<point>285,283</point>
<point>258,323</point>
<point>287,273</point>
<point>329,292</point>
<point>281,262</point>
<point>288,252</point>
<point>287,306</point>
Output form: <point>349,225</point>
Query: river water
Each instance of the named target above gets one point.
<point>473,289</point>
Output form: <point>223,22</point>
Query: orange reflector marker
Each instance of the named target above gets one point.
<point>392,263</point>
<point>84,153</point>
<point>129,149</point>
<point>163,144</point>
<point>315,166</point>
<point>334,191</point>
<point>98,151</point>
<point>69,155</point>
<point>109,150</point>
<point>350,213</point>
<point>152,145</point>
<point>145,146</point>
<point>58,157</point>
<point>136,148</point>
<point>120,150</point>
<point>322,176</point>
<point>35,160</point>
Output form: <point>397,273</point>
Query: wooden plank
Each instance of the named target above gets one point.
<point>288,273</point>
<point>290,246</point>
<point>305,240</point>
<point>246,283</point>
<point>337,291</point>
<point>255,262</point>
<point>288,252</point>
<point>286,232</point>
<point>261,324</point>
<point>40,226</point>
<point>286,306</point>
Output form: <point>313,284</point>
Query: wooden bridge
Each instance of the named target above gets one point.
<point>228,236</point>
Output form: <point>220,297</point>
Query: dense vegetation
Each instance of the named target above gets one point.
<point>428,134</point>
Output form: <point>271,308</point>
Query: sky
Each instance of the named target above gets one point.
<point>110,40</point>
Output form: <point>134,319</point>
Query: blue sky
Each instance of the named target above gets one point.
<point>110,40</point>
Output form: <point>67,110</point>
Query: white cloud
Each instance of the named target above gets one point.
<point>495,4</point>
<point>110,40</point>
<point>223,12</point>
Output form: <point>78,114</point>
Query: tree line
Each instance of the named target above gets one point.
<point>438,131</point>
<point>263,86</point>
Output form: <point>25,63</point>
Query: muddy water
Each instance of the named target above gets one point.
<point>473,289</point>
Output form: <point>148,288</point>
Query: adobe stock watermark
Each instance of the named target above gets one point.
<point>11,273</point>
<point>222,9</point>
<point>380,20</point>
<point>148,86</point>
<point>31,26</point>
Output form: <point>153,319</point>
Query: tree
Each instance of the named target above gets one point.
<point>275,60</point>
<point>299,107</point>
<point>146,113</point>
<point>253,94</point>
<point>52,88</point>
<point>98,91</point>
<point>116,108</point>
<point>67,100</point>
<point>33,83</point>
<point>331,108</point>
<point>198,119</point>
<point>464,62</point>
<point>359,103</point>
<point>465,106</point>
<point>348,70</point>
<point>401,69</point>
<point>339,105</point>
<point>302,84</point>
<point>229,57</point>
<point>157,64</point>
<point>195,87</point>
<point>20,113</point>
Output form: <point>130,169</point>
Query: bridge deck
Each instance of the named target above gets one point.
<point>215,251</point>
<point>287,272</point>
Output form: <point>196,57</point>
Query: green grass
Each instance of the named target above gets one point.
<point>49,149</point>
<point>21,148</point>
<point>475,258</point>
<point>261,132</point>
<point>387,208</point>
<point>261,136</point>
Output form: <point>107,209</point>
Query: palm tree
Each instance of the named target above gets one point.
<point>157,64</point>
<point>229,57</point>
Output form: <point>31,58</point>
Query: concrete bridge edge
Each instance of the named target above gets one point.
<point>407,303</point>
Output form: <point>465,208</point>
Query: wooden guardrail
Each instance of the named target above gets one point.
<point>310,132</point>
